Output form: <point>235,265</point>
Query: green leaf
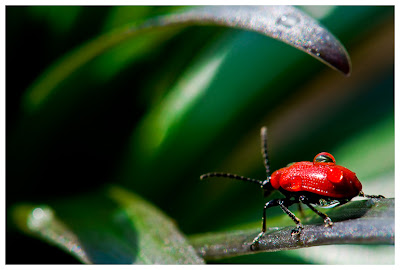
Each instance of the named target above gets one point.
<point>283,23</point>
<point>358,222</point>
<point>115,227</point>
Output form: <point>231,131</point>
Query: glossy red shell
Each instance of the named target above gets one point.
<point>323,178</point>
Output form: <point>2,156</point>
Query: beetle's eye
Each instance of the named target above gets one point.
<point>324,157</point>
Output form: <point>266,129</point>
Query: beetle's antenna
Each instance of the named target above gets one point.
<point>232,176</point>
<point>264,150</point>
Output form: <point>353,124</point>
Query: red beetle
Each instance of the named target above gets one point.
<point>318,183</point>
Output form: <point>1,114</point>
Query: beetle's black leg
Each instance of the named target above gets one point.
<point>283,204</point>
<point>361,194</point>
<point>291,215</point>
<point>327,220</point>
<point>269,204</point>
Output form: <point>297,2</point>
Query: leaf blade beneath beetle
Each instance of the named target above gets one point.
<point>358,222</point>
<point>112,228</point>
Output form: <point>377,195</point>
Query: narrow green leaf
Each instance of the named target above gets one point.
<point>284,23</point>
<point>117,227</point>
<point>358,222</point>
<point>159,242</point>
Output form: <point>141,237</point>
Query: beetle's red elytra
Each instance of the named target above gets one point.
<point>319,177</point>
<point>317,183</point>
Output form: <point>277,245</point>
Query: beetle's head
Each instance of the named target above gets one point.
<point>267,187</point>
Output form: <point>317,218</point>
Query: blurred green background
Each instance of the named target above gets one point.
<point>157,111</point>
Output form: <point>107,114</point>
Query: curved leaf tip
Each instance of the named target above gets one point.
<point>41,221</point>
<point>284,23</point>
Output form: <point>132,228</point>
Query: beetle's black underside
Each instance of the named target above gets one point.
<point>313,198</point>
